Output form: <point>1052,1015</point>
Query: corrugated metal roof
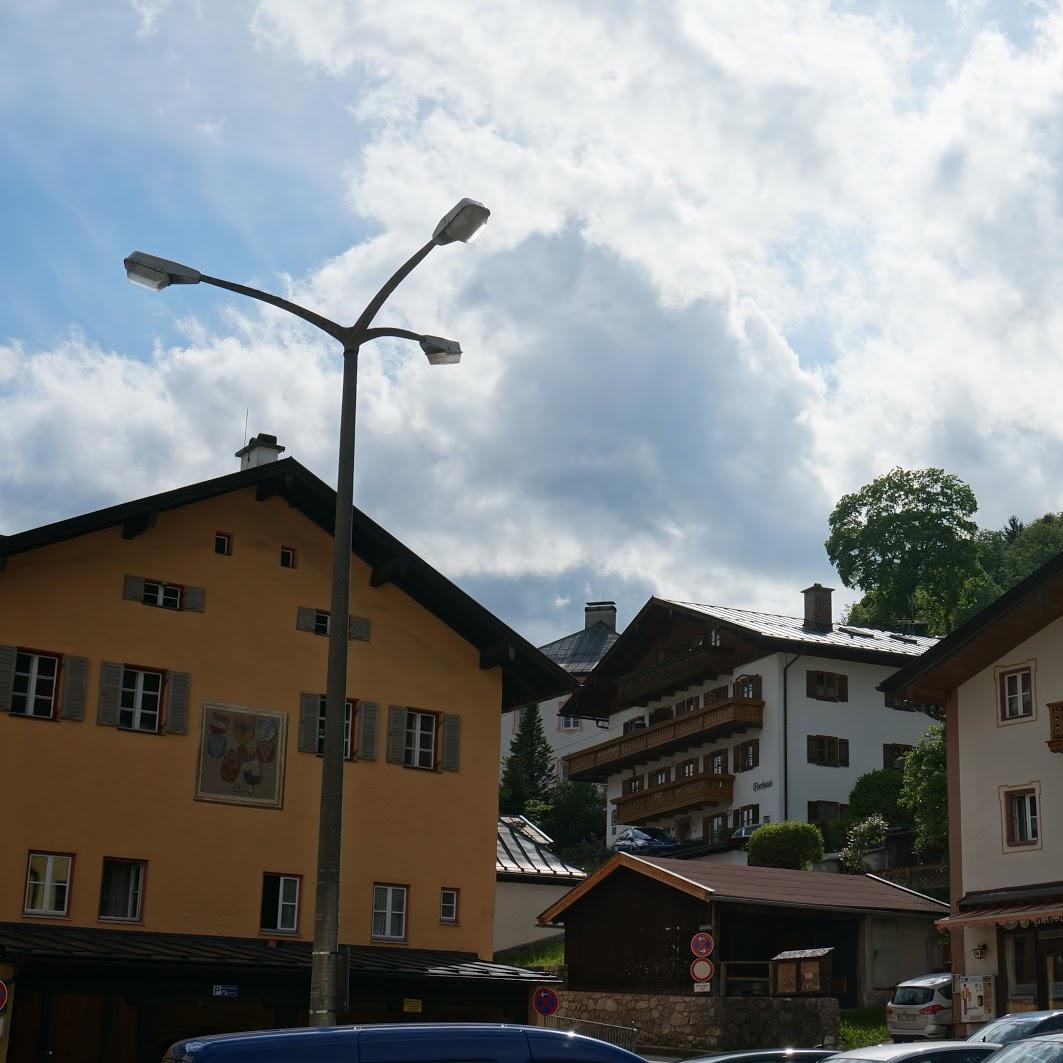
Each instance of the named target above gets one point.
<point>792,628</point>
<point>522,850</point>
<point>131,947</point>
<point>582,650</point>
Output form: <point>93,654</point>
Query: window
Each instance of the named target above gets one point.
<point>612,821</point>
<point>321,622</point>
<point>746,816</point>
<point>714,826</point>
<point>223,544</point>
<point>569,723</point>
<point>826,686</point>
<point>34,685</point>
<point>280,903</point>
<point>716,762</point>
<point>747,755</point>
<point>348,716</point>
<point>632,786</point>
<point>681,708</point>
<point>825,811</point>
<point>448,905</point>
<point>420,748</point>
<point>1023,828</point>
<point>48,884</point>
<point>660,777</point>
<point>389,912</point>
<point>1016,698</point>
<point>827,751</point>
<point>163,595</point>
<point>140,700</point>
<point>715,638</point>
<point>892,752</point>
<point>287,557</point>
<point>122,892</point>
<point>688,769</point>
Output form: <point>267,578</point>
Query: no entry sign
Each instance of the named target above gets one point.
<point>702,970</point>
<point>545,1001</point>
<point>701,944</point>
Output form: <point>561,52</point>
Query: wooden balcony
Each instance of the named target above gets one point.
<point>660,680</point>
<point>678,796</point>
<point>1055,725</point>
<point>727,715</point>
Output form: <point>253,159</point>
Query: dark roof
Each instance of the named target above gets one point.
<point>132,947</point>
<point>523,854</point>
<point>527,674</point>
<point>1001,626</point>
<point>769,886</point>
<point>579,652</point>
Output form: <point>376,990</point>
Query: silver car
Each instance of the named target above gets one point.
<point>921,1009</point>
<point>925,1052</point>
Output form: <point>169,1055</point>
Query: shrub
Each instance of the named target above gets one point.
<point>792,844</point>
<point>869,833</point>
<point>878,791</point>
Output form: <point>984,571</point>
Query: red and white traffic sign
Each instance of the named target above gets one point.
<point>3,996</point>
<point>545,1001</point>
<point>701,944</point>
<point>702,970</point>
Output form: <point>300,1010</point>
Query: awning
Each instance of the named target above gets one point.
<point>1032,913</point>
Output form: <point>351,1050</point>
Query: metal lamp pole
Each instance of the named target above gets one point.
<point>459,224</point>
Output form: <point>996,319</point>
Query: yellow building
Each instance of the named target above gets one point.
<point>162,669</point>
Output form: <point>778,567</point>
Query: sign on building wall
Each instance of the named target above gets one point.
<point>975,996</point>
<point>241,756</point>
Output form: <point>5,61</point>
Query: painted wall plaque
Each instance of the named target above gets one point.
<point>241,756</point>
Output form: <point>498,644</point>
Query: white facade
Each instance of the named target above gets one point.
<point>566,734</point>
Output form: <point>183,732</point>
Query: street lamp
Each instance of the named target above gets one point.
<point>459,224</point>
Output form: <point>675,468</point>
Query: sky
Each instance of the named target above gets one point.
<point>742,258</point>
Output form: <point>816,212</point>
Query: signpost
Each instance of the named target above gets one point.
<point>545,1001</point>
<point>701,944</point>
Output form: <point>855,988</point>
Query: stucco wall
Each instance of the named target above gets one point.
<point>707,1023</point>
<point>518,906</point>
<point>76,787</point>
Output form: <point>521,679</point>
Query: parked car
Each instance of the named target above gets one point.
<point>921,1009</point>
<point>1044,1049</point>
<point>770,1055</point>
<point>1019,1024</point>
<point>925,1052</point>
<point>411,1043</point>
<point>645,841</point>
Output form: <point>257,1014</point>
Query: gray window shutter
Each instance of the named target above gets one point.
<point>367,716</point>
<point>304,619</point>
<point>358,628</point>
<point>177,703</point>
<point>451,742</point>
<point>133,588</point>
<point>75,686</point>
<point>309,717</point>
<point>843,752</point>
<point>110,690</point>
<point>7,676</point>
<point>195,599</point>
<point>396,751</point>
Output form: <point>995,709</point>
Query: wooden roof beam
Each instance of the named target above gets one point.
<point>390,570</point>
<point>137,525</point>
<point>497,655</point>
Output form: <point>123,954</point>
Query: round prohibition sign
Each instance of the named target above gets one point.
<point>545,1001</point>
<point>702,970</point>
<point>701,944</point>
<point>3,996</point>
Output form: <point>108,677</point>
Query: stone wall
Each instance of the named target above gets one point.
<point>707,1023</point>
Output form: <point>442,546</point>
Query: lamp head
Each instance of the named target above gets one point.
<point>440,351</point>
<point>158,273</point>
<point>462,222</point>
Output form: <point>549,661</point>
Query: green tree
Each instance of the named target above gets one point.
<point>574,816</point>
<point>878,793</point>
<point>528,770</point>
<point>908,542</point>
<point>925,793</point>
<point>791,843</point>
<point>1036,543</point>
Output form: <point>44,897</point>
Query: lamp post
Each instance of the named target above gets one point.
<point>459,224</point>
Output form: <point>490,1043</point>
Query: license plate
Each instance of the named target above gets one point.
<point>907,1016</point>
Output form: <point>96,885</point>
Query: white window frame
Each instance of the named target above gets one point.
<point>226,540</point>
<point>348,724</point>
<point>31,673</point>
<point>1021,698</point>
<point>451,893</point>
<point>569,723</point>
<point>415,753</point>
<point>162,595</point>
<point>1024,819</point>
<point>290,552</point>
<point>322,622</point>
<point>137,713</point>
<point>49,884</point>
<point>389,903</point>
<point>134,899</point>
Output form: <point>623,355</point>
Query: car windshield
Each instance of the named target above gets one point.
<point>655,834</point>
<point>1005,1030</point>
<point>1030,1052</point>
<point>912,994</point>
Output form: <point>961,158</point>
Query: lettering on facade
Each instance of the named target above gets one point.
<point>767,784</point>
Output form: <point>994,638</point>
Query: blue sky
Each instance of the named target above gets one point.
<point>742,259</point>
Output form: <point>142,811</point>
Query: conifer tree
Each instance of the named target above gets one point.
<point>528,770</point>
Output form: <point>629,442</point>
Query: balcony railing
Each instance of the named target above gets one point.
<point>686,669</point>
<point>727,714</point>
<point>1055,725</point>
<point>695,792</point>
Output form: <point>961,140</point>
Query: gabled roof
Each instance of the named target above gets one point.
<point>527,674</point>
<point>1001,626</point>
<point>773,887</point>
<point>579,652</point>
<point>523,854</point>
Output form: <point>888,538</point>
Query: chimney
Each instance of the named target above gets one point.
<point>260,449</point>
<point>817,607</point>
<point>600,612</point>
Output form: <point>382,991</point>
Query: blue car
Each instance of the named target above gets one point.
<point>645,841</point>
<point>408,1043</point>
